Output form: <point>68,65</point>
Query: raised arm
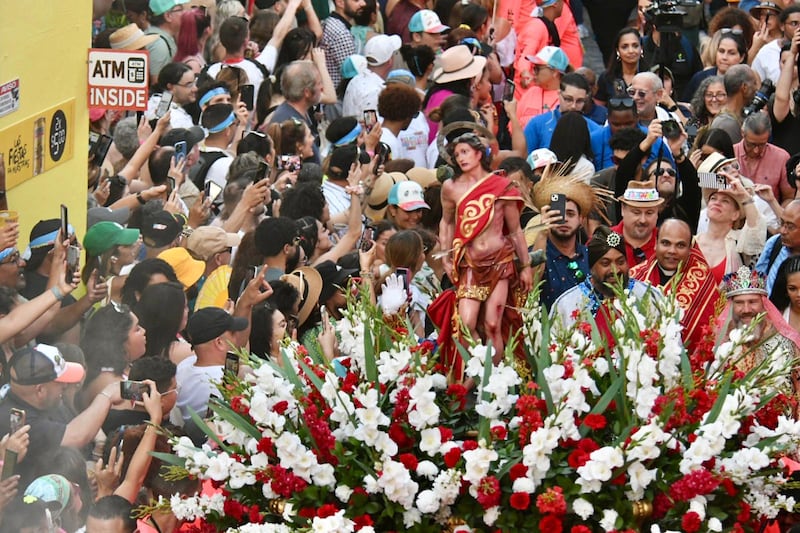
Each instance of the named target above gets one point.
<point>140,462</point>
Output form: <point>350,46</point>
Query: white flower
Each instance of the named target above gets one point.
<point>427,502</point>
<point>609,519</point>
<point>343,492</point>
<point>427,469</point>
<point>478,462</point>
<point>411,517</point>
<point>430,441</point>
<point>336,523</point>
<point>640,477</point>
<point>715,525</point>
<point>491,515</point>
<point>523,484</point>
<point>582,508</point>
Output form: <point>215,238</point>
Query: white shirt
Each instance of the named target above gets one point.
<point>178,117</point>
<point>394,143</point>
<point>267,57</point>
<point>218,172</point>
<point>196,385</point>
<point>362,93</point>
<point>338,199</point>
<point>768,61</point>
<point>414,141</point>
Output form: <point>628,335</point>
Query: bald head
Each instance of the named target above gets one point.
<point>674,244</point>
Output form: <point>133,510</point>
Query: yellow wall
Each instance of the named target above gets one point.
<point>44,43</point>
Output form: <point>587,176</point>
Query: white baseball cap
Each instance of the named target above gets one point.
<point>380,48</point>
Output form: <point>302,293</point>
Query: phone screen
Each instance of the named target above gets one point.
<point>132,390</point>
<point>180,151</point>
<point>73,262</point>
<point>232,363</point>
<point>101,149</point>
<point>163,105</point>
<point>248,96</point>
<point>212,191</point>
<point>263,171</point>
<point>370,119</point>
<point>17,420</point>
<point>405,275</point>
<point>508,93</point>
<point>367,237</point>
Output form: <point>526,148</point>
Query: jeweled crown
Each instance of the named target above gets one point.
<point>744,281</point>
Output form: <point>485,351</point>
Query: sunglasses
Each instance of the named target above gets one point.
<point>621,103</point>
<point>641,93</point>
<point>733,31</point>
<point>661,171</point>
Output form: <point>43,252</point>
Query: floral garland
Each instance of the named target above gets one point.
<point>614,435</point>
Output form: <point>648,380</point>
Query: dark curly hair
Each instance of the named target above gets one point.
<point>305,199</point>
<point>476,143</point>
<point>398,102</point>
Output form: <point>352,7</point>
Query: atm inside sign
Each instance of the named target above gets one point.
<point>118,79</point>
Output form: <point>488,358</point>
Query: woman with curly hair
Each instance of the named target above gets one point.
<point>708,100</point>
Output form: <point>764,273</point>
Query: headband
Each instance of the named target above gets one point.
<point>222,125</point>
<point>5,253</point>
<point>218,91</point>
<point>350,137</point>
<point>48,239</point>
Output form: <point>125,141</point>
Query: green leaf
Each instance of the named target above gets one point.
<point>723,395</point>
<point>289,372</point>
<point>371,367</point>
<point>205,429</point>
<point>234,418</point>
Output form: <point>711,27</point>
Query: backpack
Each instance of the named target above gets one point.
<point>200,170</point>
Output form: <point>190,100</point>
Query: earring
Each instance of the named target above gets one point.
<point>618,58</point>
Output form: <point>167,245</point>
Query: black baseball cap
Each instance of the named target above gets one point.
<point>192,136</point>
<point>161,228</point>
<point>209,323</point>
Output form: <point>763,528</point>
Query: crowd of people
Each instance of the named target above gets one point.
<point>442,157</point>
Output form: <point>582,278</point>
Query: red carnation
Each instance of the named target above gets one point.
<point>488,492</point>
<point>690,522</point>
<point>327,510</point>
<point>446,433</point>
<point>451,457</point>
<point>362,521</point>
<point>409,461</point>
<point>552,501</point>
<point>265,446</point>
<point>550,524</point>
<point>520,500</point>
<point>517,471</point>
<point>595,422</point>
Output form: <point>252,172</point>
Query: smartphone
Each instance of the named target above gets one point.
<point>248,96</point>
<point>132,390</point>
<point>291,163</point>
<point>324,317</point>
<point>382,152</point>
<point>172,184</point>
<point>367,236</point>
<point>232,363</point>
<point>9,463</point>
<point>710,180</point>
<point>263,171</point>
<point>64,222</point>
<point>213,191</point>
<point>17,420</point>
<point>180,151</point>
<point>101,149</point>
<point>558,202</point>
<point>163,105</point>
<point>508,92</point>
<point>405,275</point>
<point>93,137</point>
<point>73,262</point>
<point>670,129</point>
<point>370,119</point>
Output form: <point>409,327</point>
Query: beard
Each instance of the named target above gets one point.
<point>610,282</point>
<point>743,322</point>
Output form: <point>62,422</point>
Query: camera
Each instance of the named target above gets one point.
<point>760,99</point>
<point>666,15</point>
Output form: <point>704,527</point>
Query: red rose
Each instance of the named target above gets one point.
<point>550,524</point>
<point>409,461</point>
<point>517,471</point>
<point>690,522</point>
<point>595,422</point>
<point>452,457</point>
<point>520,500</point>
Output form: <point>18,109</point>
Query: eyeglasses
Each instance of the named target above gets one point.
<point>734,31</point>
<point>620,103</point>
<point>716,96</point>
<point>11,259</point>
<point>570,100</point>
<point>575,268</point>
<point>661,171</point>
<point>730,167</point>
<point>633,93</point>
<point>753,146</point>
<point>188,84</point>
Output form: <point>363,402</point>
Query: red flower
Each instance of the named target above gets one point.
<point>580,529</point>
<point>281,407</point>
<point>499,432</point>
<point>327,510</point>
<point>595,422</point>
<point>517,471</point>
<point>399,436</point>
<point>362,521</point>
<point>469,445</point>
<point>265,446</point>
<point>520,500</point>
<point>552,501</point>
<point>744,514</point>
<point>238,405</point>
<point>577,458</point>
<point>255,514</point>
<point>452,457</point>
<point>690,522</point>
<point>459,393</point>
<point>488,492</point>
<point>409,461</point>
<point>695,483</point>
<point>550,524</point>
<point>446,433</point>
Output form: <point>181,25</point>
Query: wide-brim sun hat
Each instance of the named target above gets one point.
<point>458,63</point>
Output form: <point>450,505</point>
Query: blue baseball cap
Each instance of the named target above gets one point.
<point>426,21</point>
<point>551,56</point>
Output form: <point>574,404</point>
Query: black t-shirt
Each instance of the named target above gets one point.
<point>785,134</point>
<point>36,284</point>
<point>47,431</point>
<point>123,417</point>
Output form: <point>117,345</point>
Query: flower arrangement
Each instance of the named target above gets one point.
<point>584,434</point>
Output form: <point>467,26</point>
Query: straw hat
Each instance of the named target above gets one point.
<point>574,186</point>
<point>641,194</point>
<point>458,63</point>
<point>130,37</point>
<point>308,283</point>
<point>425,177</point>
<point>378,199</point>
